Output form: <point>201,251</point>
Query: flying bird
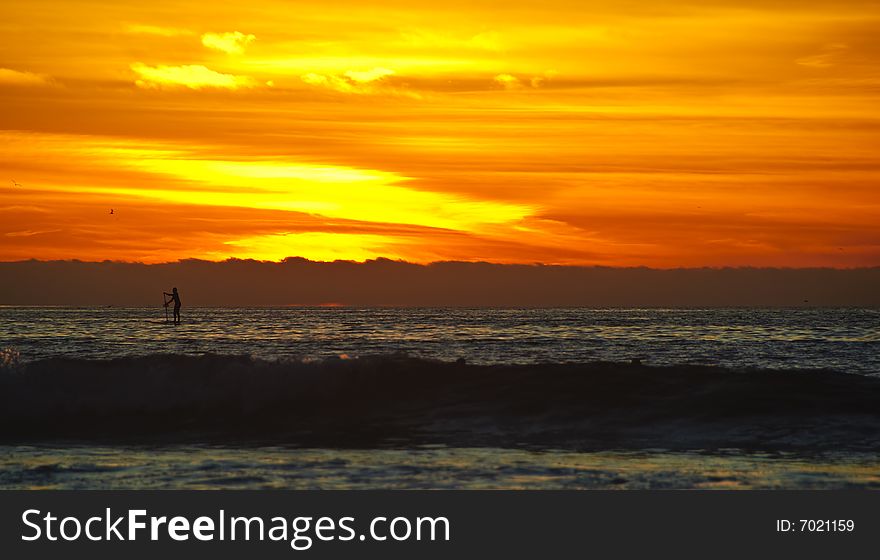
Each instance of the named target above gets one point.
<point>111,211</point>
<point>15,183</point>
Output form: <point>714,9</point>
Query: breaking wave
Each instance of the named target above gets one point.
<point>400,400</point>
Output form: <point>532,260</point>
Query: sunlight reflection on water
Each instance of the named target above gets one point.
<point>843,339</point>
<point>203,467</point>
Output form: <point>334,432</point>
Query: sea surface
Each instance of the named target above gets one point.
<point>846,339</point>
<point>841,340</point>
<point>428,467</point>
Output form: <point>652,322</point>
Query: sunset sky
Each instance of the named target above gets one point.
<point>622,133</point>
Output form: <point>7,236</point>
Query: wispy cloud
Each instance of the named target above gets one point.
<point>14,77</point>
<point>190,76</point>
<point>329,81</point>
<point>140,29</point>
<point>233,42</point>
<point>424,39</point>
<point>30,233</point>
<point>827,58</point>
<point>371,81</point>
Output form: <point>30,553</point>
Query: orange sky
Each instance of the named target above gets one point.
<point>680,133</point>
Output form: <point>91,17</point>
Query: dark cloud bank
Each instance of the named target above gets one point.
<point>383,282</point>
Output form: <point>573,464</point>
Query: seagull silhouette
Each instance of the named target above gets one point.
<point>111,211</point>
<point>15,183</point>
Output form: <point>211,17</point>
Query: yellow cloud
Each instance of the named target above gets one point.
<point>8,76</point>
<point>191,76</point>
<point>234,42</point>
<point>370,75</point>
<point>329,81</point>
<point>508,81</point>
<point>357,81</point>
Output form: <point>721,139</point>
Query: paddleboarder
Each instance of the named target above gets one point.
<point>175,297</point>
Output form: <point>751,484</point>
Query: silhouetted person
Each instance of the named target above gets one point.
<point>175,297</point>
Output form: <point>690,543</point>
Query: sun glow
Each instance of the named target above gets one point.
<point>315,246</point>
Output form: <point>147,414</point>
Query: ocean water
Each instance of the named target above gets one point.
<point>840,339</point>
<point>428,467</point>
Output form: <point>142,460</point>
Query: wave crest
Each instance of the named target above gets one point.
<point>394,400</point>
